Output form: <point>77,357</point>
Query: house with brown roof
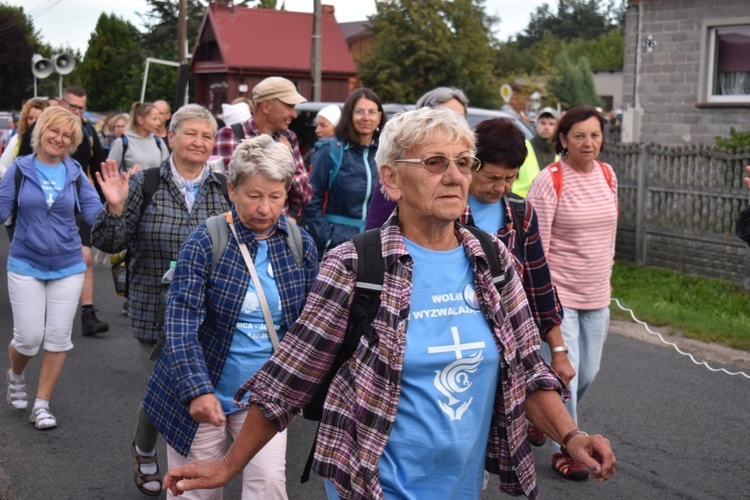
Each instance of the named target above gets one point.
<point>237,47</point>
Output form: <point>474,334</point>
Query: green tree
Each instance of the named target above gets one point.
<point>112,69</point>
<point>420,45</point>
<point>586,19</point>
<point>606,52</point>
<point>18,43</point>
<point>572,83</point>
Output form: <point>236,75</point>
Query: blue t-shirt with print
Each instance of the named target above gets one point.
<point>52,179</point>
<point>488,217</point>
<point>251,345</point>
<point>451,364</point>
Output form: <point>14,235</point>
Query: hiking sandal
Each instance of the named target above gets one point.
<point>140,478</point>
<point>42,418</point>
<point>16,394</point>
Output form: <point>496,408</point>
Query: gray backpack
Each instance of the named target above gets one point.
<point>218,229</point>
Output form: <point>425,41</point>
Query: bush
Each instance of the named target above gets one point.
<point>736,140</point>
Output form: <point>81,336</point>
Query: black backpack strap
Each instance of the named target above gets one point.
<point>223,187</point>
<point>364,308</point>
<point>151,181</point>
<point>518,212</point>
<point>493,257</point>
<point>239,131</point>
<point>124,150</point>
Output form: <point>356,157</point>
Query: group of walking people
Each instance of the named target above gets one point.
<point>475,332</point>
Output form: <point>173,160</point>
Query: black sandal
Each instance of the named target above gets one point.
<point>141,478</point>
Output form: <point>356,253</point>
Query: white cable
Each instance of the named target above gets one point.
<point>657,334</point>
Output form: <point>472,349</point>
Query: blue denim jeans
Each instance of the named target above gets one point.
<point>584,332</point>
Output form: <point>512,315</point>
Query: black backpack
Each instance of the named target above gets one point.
<point>365,305</point>
<point>518,213</point>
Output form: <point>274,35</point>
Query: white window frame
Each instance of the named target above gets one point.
<point>708,61</point>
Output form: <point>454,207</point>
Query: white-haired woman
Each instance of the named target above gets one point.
<point>216,333</point>
<point>45,262</point>
<point>391,427</point>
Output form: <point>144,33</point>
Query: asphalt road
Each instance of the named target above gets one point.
<point>679,431</point>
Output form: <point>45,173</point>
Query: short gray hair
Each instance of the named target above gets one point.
<point>441,95</point>
<point>421,127</point>
<point>191,112</point>
<point>261,155</point>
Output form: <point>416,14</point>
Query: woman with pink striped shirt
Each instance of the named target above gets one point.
<point>576,203</point>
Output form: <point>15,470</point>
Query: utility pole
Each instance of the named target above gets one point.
<point>317,52</point>
<point>182,72</point>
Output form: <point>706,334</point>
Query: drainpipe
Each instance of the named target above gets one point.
<point>636,51</point>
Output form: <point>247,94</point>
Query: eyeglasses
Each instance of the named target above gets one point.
<point>372,113</point>
<point>65,136</point>
<point>438,164</point>
<point>73,107</point>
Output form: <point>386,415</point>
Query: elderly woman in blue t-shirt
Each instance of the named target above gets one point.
<point>217,334</point>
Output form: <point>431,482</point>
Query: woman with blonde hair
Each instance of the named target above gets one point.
<point>45,263</point>
<point>140,145</point>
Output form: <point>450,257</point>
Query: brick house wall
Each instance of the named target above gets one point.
<point>670,85</point>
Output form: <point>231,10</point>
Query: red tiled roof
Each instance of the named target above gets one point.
<point>275,39</point>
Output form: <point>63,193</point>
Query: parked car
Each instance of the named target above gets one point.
<point>304,124</point>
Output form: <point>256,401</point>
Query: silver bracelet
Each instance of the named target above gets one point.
<point>562,348</point>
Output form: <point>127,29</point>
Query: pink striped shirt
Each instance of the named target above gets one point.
<point>578,233</point>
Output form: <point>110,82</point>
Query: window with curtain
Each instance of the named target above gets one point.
<point>730,64</point>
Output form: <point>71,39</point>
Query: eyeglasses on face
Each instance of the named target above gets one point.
<point>56,132</point>
<point>438,164</point>
<point>372,113</point>
<point>73,107</point>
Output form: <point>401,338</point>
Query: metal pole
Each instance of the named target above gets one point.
<point>182,72</point>
<point>317,52</point>
<point>145,79</point>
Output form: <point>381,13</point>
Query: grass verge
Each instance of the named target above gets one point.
<point>710,310</point>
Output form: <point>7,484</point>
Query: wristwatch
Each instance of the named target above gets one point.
<point>562,348</point>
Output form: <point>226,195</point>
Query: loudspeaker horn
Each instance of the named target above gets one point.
<point>41,67</point>
<point>64,63</point>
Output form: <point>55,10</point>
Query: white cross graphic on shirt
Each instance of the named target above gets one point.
<point>457,346</point>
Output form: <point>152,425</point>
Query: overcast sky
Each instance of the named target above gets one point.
<point>72,21</point>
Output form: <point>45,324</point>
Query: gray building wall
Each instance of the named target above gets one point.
<point>609,84</point>
<point>670,79</point>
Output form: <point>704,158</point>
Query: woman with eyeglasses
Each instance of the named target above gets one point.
<point>344,173</point>
<point>439,389</point>
<point>140,145</point>
<point>45,263</point>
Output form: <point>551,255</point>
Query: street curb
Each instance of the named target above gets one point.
<point>711,352</point>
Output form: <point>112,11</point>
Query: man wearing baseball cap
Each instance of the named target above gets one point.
<point>274,100</point>
<point>541,151</point>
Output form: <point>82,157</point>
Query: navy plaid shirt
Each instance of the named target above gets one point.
<point>202,312</point>
<point>153,238</point>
